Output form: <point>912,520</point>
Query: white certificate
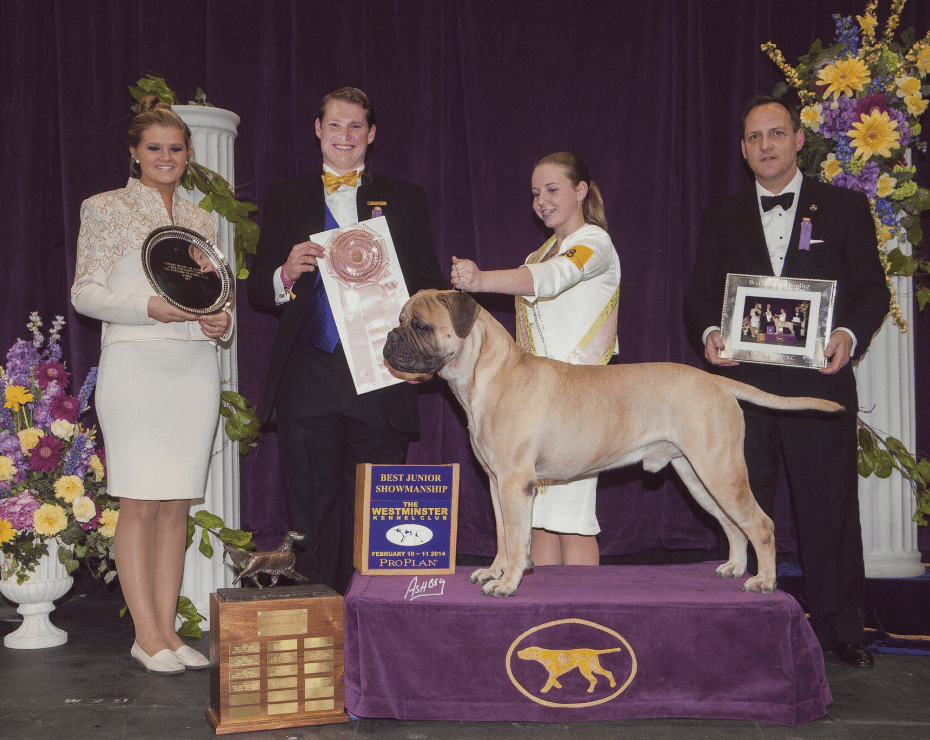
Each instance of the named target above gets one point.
<point>366,292</point>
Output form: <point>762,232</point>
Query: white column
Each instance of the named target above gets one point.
<point>885,382</point>
<point>214,133</point>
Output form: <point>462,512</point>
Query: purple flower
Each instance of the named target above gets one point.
<point>870,103</point>
<point>9,444</point>
<point>886,212</point>
<point>18,510</point>
<point>89,382</point>
<point>838,116</point>
<point>46,455</point>
<point>846,34</point>
<point>78,457</point>
<point>65,407</point>
<point>865,182</point>
<point>11,448</point>
<point>20,360</point>
<point>40,412</point>
<point>51,372</point>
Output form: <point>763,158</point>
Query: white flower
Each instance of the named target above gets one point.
<point>62,429</point>
<point>84,509</point>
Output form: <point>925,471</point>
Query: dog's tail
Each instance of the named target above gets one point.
<point>753,395</point>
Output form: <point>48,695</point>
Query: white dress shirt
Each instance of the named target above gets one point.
<point>777,223</point>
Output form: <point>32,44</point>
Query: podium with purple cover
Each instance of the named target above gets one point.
<point>578,644</point>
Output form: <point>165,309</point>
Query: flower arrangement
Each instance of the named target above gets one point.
<point>52,476</point>
<point>53,486</point>
<point>863,100</point>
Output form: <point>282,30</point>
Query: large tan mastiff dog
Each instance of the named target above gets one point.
<point>532,419</point>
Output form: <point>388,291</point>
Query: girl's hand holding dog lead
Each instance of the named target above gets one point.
<point>465,275</point>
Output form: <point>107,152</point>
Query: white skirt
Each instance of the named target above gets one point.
<point>158,405</point>
<point>568,508</point>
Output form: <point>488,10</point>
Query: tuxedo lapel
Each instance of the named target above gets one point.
<point>370,201</point>
<point>750,224</point>
<point>316,205</point>
<point>804,210</point>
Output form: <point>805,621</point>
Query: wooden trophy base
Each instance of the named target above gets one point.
<point>277,656</point>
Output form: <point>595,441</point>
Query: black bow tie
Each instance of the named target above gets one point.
<point>784,200</point>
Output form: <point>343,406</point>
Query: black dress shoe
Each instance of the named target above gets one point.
<point>854,654</point>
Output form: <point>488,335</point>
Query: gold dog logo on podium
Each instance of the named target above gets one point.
<point>560,662</point>
<point>615,662</point>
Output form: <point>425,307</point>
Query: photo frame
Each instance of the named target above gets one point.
<point>187,271</point>
<point>777,321</point>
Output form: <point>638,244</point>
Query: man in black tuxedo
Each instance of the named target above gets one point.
<point>759,232</point>
<point>324,427</point>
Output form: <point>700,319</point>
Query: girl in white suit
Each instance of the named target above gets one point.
<point>566,300</point>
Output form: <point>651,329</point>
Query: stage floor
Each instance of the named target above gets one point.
<point>89,687</point>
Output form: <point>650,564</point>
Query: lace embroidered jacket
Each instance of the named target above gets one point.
<point>109,282</point>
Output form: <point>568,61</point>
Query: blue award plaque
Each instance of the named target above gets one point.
<point>406,519</point>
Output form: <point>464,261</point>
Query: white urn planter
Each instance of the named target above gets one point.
<point>36,597</point>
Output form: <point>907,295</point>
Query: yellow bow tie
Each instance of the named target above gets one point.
<point>332,182</point>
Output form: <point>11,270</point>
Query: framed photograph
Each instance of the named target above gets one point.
<point>777,321</point>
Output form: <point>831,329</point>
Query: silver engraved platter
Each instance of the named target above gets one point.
<point>187,271</point>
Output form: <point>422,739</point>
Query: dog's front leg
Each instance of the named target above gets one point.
<point>515,494</point>
<point>496,569</point>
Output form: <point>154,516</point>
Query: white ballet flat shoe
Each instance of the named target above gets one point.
<point>191,658</point>
<point>164,661</point>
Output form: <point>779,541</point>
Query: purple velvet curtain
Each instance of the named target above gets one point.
<point>468,95</point>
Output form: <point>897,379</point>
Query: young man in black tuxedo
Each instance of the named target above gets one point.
<point>324,427</point>
<point>758,232</point>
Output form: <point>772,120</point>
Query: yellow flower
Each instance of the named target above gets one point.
<point>907,85</point>
<point>68,488</point>
<point>7,468</point>
<point>922,61</point>
<point>84,509</point>
<point>16,396</point>
<point>108,520</point>
<point>49,520</point>
<point>885,185</point>
<point>876,133</point>
<point>885,233</point>
<point>916,105</point>
<point>29,438</point>
<point>844,76</point>
<point>812,116</point>
<point>97,467</point>
<point>831,166</point>
<point>6,531</point>
<point>868,23</point>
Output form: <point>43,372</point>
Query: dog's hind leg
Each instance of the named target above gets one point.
<point>729,499</point>
<point>735,565</point>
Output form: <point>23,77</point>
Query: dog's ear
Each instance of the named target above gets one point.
<point>463,310</point>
